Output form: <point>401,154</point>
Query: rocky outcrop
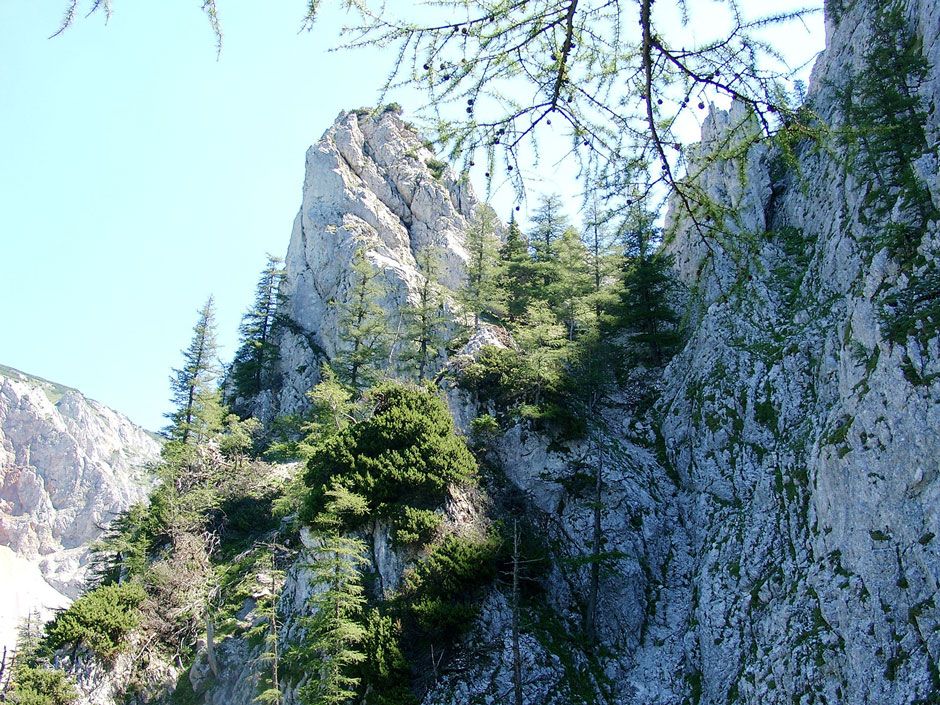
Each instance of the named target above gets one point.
<point>768,532</point>
<point>775,531</point>
<point>806,441</point>
<point>68,465</point>
<point>370,184</point>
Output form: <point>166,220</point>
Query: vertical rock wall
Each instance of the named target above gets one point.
<point>370,183</point>
<point>808,443</point>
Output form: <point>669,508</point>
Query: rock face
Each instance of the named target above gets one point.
<point>771,528</point>
<point>806,441</point>
<point>777,526</point>
<point>68,465</point>
<point>370,184</point>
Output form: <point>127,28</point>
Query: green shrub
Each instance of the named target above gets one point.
<point>125,549</point>
<point>558,418</point>
<point>99,619</point>
<point>436,167</point>
<point>404,455</point>
<point>385,671</point>
<point>415,526</point>
<point>497,375</point>
<point>438,597</point>
<point>41,686</point>
<point>483,429</point>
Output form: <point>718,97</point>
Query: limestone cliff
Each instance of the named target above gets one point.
<point>770,527</point>
<point>805,434</point>
<point>370,183</point>
<point>68,465</point>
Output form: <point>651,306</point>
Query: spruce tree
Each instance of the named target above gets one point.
<point>602,258</point>
<point>516,272</point>
<point>647,285</point>
<point>363,327</point>
<point>195,392</point>
<point>571,288</point>
<point>549,222</point>
<point>481,292</point>
<point>544,341</point>
<point>424,319</point>
<point>258,352</point>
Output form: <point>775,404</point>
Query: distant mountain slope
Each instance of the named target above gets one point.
<point>68,465</point>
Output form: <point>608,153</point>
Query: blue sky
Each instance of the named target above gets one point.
<point>138,175</point>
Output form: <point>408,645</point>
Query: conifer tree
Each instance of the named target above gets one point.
<point>270,681</point>
<point>549,223</point>
<point>363,327</point>
<point>570,291</point>
<point>645,309</point>
<point>32,680</point>
<point>333,405</point>
<point>258,352</point>
<point>195,393</point>
<point>333,630</point>
<point>603,260</point>
<point>481,291</point>
<point>385,670</point>
<point>516,271</point>
<point>424,319</point>
<point>544,340</point>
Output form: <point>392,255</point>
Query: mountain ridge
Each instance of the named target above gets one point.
<point>68,465</point>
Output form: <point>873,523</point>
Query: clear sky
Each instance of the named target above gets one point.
<point>138,175</point>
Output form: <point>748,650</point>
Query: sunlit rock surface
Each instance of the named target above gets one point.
<point>68,465</point>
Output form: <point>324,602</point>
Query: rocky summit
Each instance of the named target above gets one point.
<point>371,185</point>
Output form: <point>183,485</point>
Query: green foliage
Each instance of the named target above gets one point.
<point>404,454</point>
<point>284,436</point>
<point>333,406</point>
<point>517,272</point>
<point>544,340</point>
<point>889,130</point>
<point>239,436</point>
<point>549,223</point>
<point>481,292</point>
<point>125,548</point>
<point>483,429</point>
<point>645,309</point>
<point>438,597</point>
<point>258,352</point>
<point>436,167</point>
<point>269,683</point>
<point>569,294</point>
<point>385,671</point>
<point>37,685</point>
<point>333,632</point>
<point>415,526</point>
<point>425,321</point>
<point>888,135</point>
<point>647,289</point>
<point>198,402</point>
<point>32,680</point>
<point>99,619</point>
<point>497,375</point>
<point>363,329</point>
<point>914,310</point>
